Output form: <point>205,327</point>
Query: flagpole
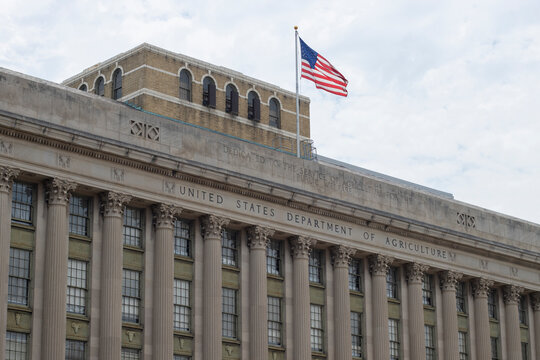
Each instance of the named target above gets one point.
<point>297,101</point>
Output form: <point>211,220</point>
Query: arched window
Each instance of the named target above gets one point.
<point>117,84</point>
<point>99,87</point>
<point>83,87</point>
<point>254,106</point>
<point>185,85</point>
<point>231,101</point>
<point>209,92</point>
<point>275,114</point>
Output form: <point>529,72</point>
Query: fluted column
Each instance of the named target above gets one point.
<point>212,282</point>
<point>480,289</point>
<point>417,341</point>
<point>511,295</point>
<point>6,181</point>
<point>258,239</point>
<point>449,281</point>
<point>300,249</point>
<point>55,275</point>
<point>110,322</point>
<point>341,258</point>
<point>535,302</point>
<point>163,311</point>
<point>378,266</point>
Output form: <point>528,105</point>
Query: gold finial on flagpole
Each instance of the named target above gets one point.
<point>295,27</point>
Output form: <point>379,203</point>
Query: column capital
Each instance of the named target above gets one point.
<point>259,237</point>
<point>211,226</point>
<point>379,264</point>
<point>415,272</point>
<point>449,279</point>
<point>58,191</point>
<point>112,203</point>
<point>301,246</point>
<point>7,175</point>
<point>535,301</point>
<point>341,255</point>
<point>163,215</point>
<point>481,286</point>
<point>511,294</point>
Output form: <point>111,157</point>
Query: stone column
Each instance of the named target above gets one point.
<point>449,281</point>
<point>378,267</point>
<point>480,288</point>
<point>535,302</point>
<point>511,295</point>
<point>417,340</point>
<point>212,283</point>
<point>258,239</point>
<point>6,181</point>
<point>163,310</point>
<point>55,275</point>
<point>110,317</point>
<point>300,250</point>
<point>341,258</point>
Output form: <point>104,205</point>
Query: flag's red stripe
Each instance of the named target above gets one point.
<point>317,75</point>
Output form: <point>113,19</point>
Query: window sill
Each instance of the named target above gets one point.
<point>276,348</point>
<point>394,301</point>
<point>183,333</point>
<point>80,237</point>
<point>133,248</point>
<point>183,258</point>
<point>275,277</point>
<point>356,293</point>
<point>23,226</point>
<point>22,308</point>
<point>132,326</point>
<point>316,285</point>
<point>429,307</point>
<point>229,267</point>
<point>77,317</point>
<point>231,341</point>
<point>318,354</point>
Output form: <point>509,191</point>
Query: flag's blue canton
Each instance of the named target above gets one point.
<point>308,54</point>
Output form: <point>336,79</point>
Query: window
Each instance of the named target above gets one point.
<point>525,351</point>
<point>180,357</point>
<point>392,283</point>
<point>117,84</point>
<point>83,87</point>
<point>317,331</point>
<point>275,114</point>
<point>21,203</point>
<point>274,321</point>
<point>132,232</point>
<point>78,215</point>
<point>460,297</point>
<point>356,333</point>
<point>522,309</point>
<point>315,266</point>
<point>494,348</point>
<point>355,275</point>
<point>254,106</point>
<point>185,85</point>
<point>99,86</point>
<point>130,354</point>
<point>76,287</point>
<point>430,342</point>
<point>231,99</point>
<point>393,332</point>
<point>229,250</point>
<point>273,258</point>
<point>209,92</point>
<point>427,290</point>
<point>229,319</point>
<point>182,237</point>
<point>75,350</point>
<point>19,276</point>
<point>16,346</point>
<point>462,345</point>
<point>131,296</point>
<point>492,304</point>
<point>182,305</point>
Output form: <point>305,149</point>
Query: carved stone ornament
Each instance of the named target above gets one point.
<point>259,237</point>
<point>75,326</point>
<point>535,301</point>
<point>59,191</point>
<point>113,203</point>
<point>481,286</point>
<point>301,246</point>
<point>211,226</point>
<point>341,255</point>
<point>415,272</point>
<point>379,264</point>
<point>164,215</point>
<point>449,279</point>
<point>7,175</point>
<point>511,294</point>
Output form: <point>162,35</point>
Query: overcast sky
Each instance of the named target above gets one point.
<point>445,94</point>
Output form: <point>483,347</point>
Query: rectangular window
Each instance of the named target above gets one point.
<point>16,346</point>
<point>79,219</point>
<point>22,203</point>
<point>274,321</point>
<point>492,304</point>
<point>229,248</point>
<point>494,348</point>
<point>393,332</point>
<point>75,350</point>
<point>182,237</point>
<point>315,266</point>
<point>182,305</point>
<point>229,319</point>
<point>356,333</point>
<point>131,296</point>
<point>130,354</point>
<point>273,258</point>
<point>462,345</point>
<point>76,287</point>
<point>427,290</point>
<point>429,332</point>
<point>133,227</point>
<point>317,330</point>
<point>392,283</point>
<point>181,357</point>
<point>525,351</point>
<point>19,276</point>
<point>355,275</point>
<point>460,297</point>
<point>522,309</point>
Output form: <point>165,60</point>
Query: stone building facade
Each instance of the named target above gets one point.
<point>193,243</point>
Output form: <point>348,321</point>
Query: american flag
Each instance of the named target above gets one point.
<point>319,70</point>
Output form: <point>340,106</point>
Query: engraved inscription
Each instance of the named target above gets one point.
<point>466,220</point>
<point>117,174</point>
<point>64,161</point>
<point>6,147</point>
